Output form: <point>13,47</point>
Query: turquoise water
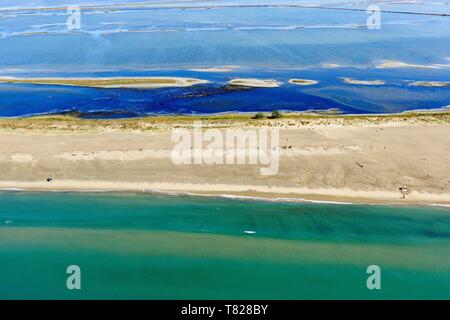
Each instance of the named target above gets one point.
<point>179,247</point>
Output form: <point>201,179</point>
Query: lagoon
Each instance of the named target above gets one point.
<point>230,42</point>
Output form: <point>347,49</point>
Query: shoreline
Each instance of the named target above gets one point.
<point>239,192</point>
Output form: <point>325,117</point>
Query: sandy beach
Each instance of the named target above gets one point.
<point>328,158</point>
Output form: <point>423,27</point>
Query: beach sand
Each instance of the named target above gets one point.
<point>342,159</point>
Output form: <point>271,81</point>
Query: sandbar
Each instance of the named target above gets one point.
<point>388,64</point>
<point>114,82</point>
<point>363,82</point>
<point>256,83</point>
<point>303,82</point>
<point>430,84</point>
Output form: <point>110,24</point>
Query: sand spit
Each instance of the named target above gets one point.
<point>215,69</point>
<point>255,83</point>
<point>388,64</point>
<point>303,82</point>
<point>363,82</point>
<point>115,82</point>
<point>430,84</point>
<point>331,65</point>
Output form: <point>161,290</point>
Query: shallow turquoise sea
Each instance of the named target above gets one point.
<point>178,247</point>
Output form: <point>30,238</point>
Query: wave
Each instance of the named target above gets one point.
<point>439,205</point>
<point>191,194</point>
<point>279,199</point>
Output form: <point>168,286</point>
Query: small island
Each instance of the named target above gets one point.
<point>363,82</point>
<point>431,84</point>
<point>114,82</point>
<point>255,83</point>
<point>303,82</point>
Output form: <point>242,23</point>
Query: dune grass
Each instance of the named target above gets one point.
<point>64,123</point>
